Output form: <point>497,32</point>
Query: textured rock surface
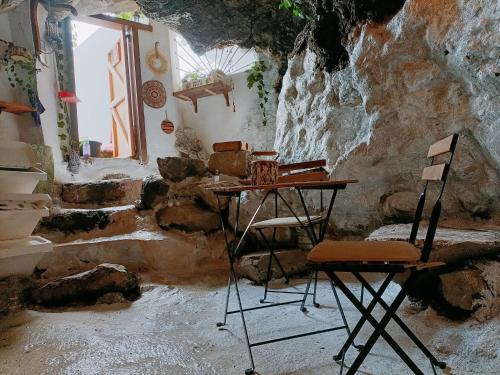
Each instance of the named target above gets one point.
<point>248,23</point>
<point>177,169</point>
<point>450,245</point>
<point>429,71</point>
<point>154,191</point>
<point>101,193</point>
<point>254,266</point>
<point>192,191</point>
<point>14,292</point>
<point>65,225</point>
<point>475,290</point>
<point>171,256</point>
<point>88,286</point>
<point>189,218</point>
<point>188,144</point>
<point>231,163</point>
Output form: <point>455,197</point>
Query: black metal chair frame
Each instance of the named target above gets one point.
<point>391,269</point>
<point>233,251</point>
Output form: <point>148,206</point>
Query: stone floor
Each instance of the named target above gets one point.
<point>171,330</point>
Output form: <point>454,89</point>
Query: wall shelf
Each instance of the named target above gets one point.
<point>15,108</point>
<point>211,89</point>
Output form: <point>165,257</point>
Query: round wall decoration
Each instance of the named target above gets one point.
<point>154,94</point>
<point>166,125</point>
<point>156,61</point>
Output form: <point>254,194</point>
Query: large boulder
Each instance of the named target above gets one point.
<point>177,169</point>
<point>450,245</point>
<point>101,193</point>
<point>410,80</point>
<point>87,287</point>
<point>154,191</point>
<point>254,266</point>
<point>471,284</point>
<point>189,218</point>
<point>193,190</point>
<point>231,163</point>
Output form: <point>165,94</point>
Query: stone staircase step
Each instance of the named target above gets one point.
<point>69,224</point>
<point>169,256</point>
<point>100,193</point>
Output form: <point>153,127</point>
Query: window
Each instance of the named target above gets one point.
<point>229,59</point>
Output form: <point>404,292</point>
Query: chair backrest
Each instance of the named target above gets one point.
<point>437,173</point>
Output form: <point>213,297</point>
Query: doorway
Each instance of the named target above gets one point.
<point>102,85</point>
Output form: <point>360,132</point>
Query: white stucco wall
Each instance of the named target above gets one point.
<point>14,127</point>
<point>159,143</point>
<point>215,122</point>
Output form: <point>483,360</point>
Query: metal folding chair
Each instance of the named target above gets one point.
<point>391,257</point>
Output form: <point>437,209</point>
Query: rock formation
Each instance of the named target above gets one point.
<point>249,23</point>
<point>429,71</point>
<point>87,287</point>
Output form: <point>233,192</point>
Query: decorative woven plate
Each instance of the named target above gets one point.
<point>154,94</point>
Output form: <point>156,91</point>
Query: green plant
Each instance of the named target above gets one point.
<point>256,77</point>
<point>295,8</point>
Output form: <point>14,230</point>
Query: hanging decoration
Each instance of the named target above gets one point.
<point>20,68</point>
<point>154,94</point>
<point>156,61</point>
<point>166,125</point>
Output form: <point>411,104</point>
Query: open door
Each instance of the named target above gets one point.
<point>122,130</point>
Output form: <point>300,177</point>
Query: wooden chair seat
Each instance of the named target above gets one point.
<point>364,251</point>
<point>287,222</point>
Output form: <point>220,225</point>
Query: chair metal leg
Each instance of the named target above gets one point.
<point>306,293</point>
<point>316,304</point>
<point>379,330</point>
<point>379,327</point>
<point>362,320</point>
<point>402,325</point>
<point>251,370</point>
<point>223,323</point>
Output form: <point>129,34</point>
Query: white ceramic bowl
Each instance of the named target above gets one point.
<point>20,257</point>
<point>16,224</point>
<point>21,182</point>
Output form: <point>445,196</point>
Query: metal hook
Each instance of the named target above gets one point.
<point>157,49</point>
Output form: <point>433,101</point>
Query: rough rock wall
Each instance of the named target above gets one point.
<point>248,23</point>
<point>431,70</point>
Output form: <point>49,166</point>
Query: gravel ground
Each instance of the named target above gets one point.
<point>171,330</point>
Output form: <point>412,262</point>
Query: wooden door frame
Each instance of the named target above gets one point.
<point>130,37</point>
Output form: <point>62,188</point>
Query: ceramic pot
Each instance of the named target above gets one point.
<point>264,172</point>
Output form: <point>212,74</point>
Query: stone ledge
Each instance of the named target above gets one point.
<point>450,245</point>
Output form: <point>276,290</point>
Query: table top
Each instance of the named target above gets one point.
<point>306,185</point>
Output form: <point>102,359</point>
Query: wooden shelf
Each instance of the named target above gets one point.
<point>15,108</point>
<point>211,89</point>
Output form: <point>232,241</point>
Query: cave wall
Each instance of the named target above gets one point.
<point>429,71</point>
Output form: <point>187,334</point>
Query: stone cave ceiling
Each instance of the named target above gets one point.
<point>255,23</point>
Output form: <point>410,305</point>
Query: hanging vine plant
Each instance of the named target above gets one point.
<point>294,7</point>
<point>256,77</point>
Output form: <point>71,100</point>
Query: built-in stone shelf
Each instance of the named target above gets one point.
<point>20,181</point>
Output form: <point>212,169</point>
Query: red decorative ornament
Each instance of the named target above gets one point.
<point>166,125</point>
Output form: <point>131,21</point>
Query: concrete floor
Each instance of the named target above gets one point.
<point>171,330</point>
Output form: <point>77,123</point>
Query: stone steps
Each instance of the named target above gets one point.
<point>100,193</point>
<point>167,255</point>
<point>69,224</point>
